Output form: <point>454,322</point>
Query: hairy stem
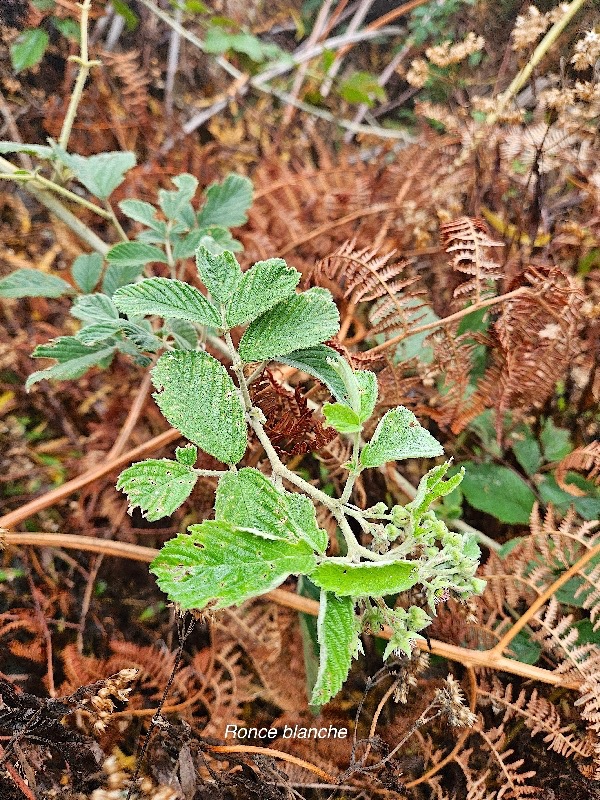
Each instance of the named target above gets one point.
<point>53,205</point>
<point>85,65</point>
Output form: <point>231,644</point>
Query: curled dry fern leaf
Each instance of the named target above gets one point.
<point>363,276</point>
<point>584,459</point>
<point>468,241</point>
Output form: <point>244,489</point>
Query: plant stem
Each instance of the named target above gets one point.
<point>540,51</point>
<point>113,218</point>
<point>85,233</point>
<point>354,472</point>
<point>85,65</point>
<point>23,177</point>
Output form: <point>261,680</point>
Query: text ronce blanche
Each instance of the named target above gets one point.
<point>287,732</point>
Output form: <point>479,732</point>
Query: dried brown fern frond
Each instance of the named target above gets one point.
<point>532,342</point>
<point>539,716</point>
<point>453,355</point>
<point>552,547</point>
<point>468,239</point>
<point>583,459</point>
<point>361,275</point>
<point>542,145</point>
<point>512,782</point>
<point>292,426</point>
<point>133,82</point>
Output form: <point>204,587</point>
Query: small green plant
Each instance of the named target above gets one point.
<point>262,533</point>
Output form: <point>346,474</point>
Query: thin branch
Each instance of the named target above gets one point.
<point>85,65</point>
<point>268,751</point>
<point>86,234</point>
<point>543,598</point>
<point>492,301</point>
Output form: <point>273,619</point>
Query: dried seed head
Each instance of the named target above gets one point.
<point>451,702</point>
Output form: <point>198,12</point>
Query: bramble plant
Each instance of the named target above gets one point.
<point>262,533</point>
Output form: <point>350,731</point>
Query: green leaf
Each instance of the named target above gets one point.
<point>69,28</point>
<point>367,387</point>
<point>157,486</point>
<point>586,507</point>
<point>399,435</point>
<point>93,308</point>
<point>365,580</point>
<point>556,442</point>
<point>217,239</point>
<point>140,211</point>
<point>362,87</point>
<point>131,18</point>
<point>39,150</point>
<point>261,287</point>
<point>432,487</point>
<point>526,449</point>
<point>317,361</point>
<point>28,48</point>
<point>167,298</point>
<point>73,358</point>
<point>183,333</point>
<point>86,271</point>
<point>498,491</point>
<point>219,564</point>
<point>304,518</point>
<point>226,203</point>
<point>219,273</point>
<point>141,337</point>
<point>337,633</point>
<point>187,455</point>
<point>296,323</point>
<point>218,41</point>
<point>118,275</point>
<point>524,649</point>
<point>415,345</point>
<point>33,283</point>
<point>342,418</point>
<point>135,254</point>
<point>199,399</point>
<point>100,174</point>
<point>248,499</point>
<point>176,206</point>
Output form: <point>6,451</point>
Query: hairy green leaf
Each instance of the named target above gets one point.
<point>157,486</point>
<point>140,211</point>
<point>226,203</point>
<point>296,323</point>
<point>100,174</point>
<point>304,518</point>
<point>86,271</point>
<point>176,205</point>
<point>39,150</point>
<point>187,455</point>
<point>199,399</point>
<point>135,254</point>
<point>365,580</point>
<point>399,435</point>
<point>28,48</point>
<point>219,273</point>
<point>93,308</point>
<point>498,491</point>
<point>221,565</point>
<point>337,633</point>
<point>317,361</point>
<point>261,287</point>
<point>118,275</point>
<point>248,499</point>
<point>367,387</point>
<point>342,418</point>
<point>167,298</point>
<point>73,358</point>
<point>33,283</point>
